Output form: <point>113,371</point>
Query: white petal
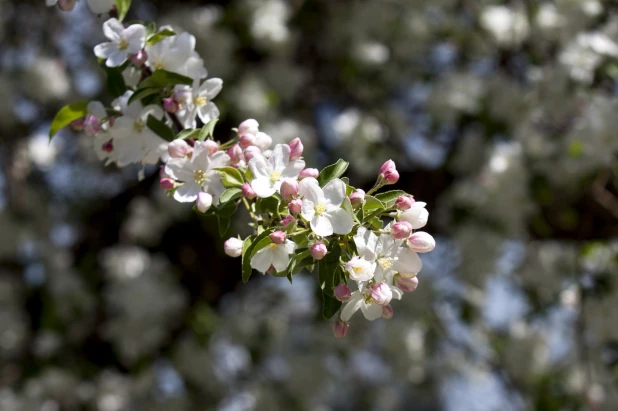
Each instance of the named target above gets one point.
<point>280,157</point>
<point>341,221</point>
<point>214,185</point>
<point>371,311</point>
<point>211,87</point>
<point>262,260</point>
<point>293,169</point>
<point>218,160</point>
<point>321,225</point>
<point>259,167</point>
<point>97,109</point>
<point>262,187</point>
<point>308,210</point>
<point>289,246</point>
<point>354,303</point>
<point>281,258</point>
<point>366,244</point>
<point>397,293</point>
<point>116,59</point>
<point>208,112</point>
<point>334,192</point>
<point>135,35</point>
<point>310,189</point>
<point>187,193</point>
<point>416,215</point>
<point>407,262</point>
<point>104,50</point>
<point>112,29</point>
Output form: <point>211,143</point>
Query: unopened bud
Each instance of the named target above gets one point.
<point>295,206</point>
<point>170,105</point>
<point>278,237</point>
<point>340,329</point>
<point>309,172</point>
<point>246,140</point>
<point>391,177</point>
<point>342,293</point>
<point>92,125</point>
<point>251,152</point>
<point>357,198</point>
<point>404,202</point>
<point>401,230</point>
<point>204,201</point>
<point>381,293</point>
<point>235,153</point>
<point>77,125</point>
<point>233,247</point>
<point>289,189</point>
<point>387,166</point>
<point>296,149</point>
<point>138,59</point>
<point>263,141</point>
<point>212,146</point>
<point>405,284</point>
<point>66,5</point>
<point>421,242</point>
<point>318,250</point>
<point>179,148</point>
<point>387,312</point>
<point>248,192</point>
<point>287,220</point>
<point>249,126</point>
<point>166,183</point>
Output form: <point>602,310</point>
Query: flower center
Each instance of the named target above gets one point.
<point>199,176</point>
<point>368,299</point>
<point>357,269</point>
<point>123,44</point>
<point>275,176</point>
<point>385,263</point>
<point>272,246</point>
<point>158,66</point>
<point>200,101</point>
<point>138,125</point>
<point>319,210</point>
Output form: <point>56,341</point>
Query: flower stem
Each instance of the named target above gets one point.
<point>251,214</point>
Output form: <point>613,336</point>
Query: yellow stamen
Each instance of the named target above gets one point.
<point>357,269</point>
<point>138,125</point>
<point>385,263</point>
<point>272,246</point>
<point>123,44</point>
<point>201,101</point>
<point>275,176</point>
<point>199,176</point>
<point>320,209</point>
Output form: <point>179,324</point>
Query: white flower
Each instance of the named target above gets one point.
<point>123,42</point>
<point>206,109</point>
<point>133,141</point>
<point>198,173</point>
<point>509,27</point>
<point>360,269</point>
<point>101,6</point>
<point>416,215</point>
<point>277,255</point>
<point>132,76</point>
<point>362,299</point>
<point>322,206</point>
<point>270,173</point>
<point>233,247</point>
<point>176,54</point>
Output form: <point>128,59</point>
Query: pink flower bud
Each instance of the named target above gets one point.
<point>235,153</point>
<point>309,172</point>
<point>138,59</point>
<point>342,293</point>
<point>296,149</point>
<point>278,237</point>
<point>387,312</point>
<point>233,247</point>
<point>387,166</point>
<point>170,105</point>
<point>391,177</point>
<point>405,284</point>
<point>247,140</point>
<point>401,230</point>
<point>289,189</point>
<point>248,191</point>
<point>357,198</point>
<point>249,126</point>
<point>287,220</point>
<point>318,250</point>
<point>92,125</point>
<point>404,202</point>
<point>212,146</point>
<point>381,293</point>
<point>204,201</point>
<point>251,152</point>
<point>421,242</point>
<point>66,5</point>
<point>108,147</point>
<point>263,141</point>
<point>295,206</point>
<point>340,329</point>
<point>166,183</point>
<point>179,148</point>
<point>77,125</point>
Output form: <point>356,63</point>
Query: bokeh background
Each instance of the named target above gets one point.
<point>502,116</point>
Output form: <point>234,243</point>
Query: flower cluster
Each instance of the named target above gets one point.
<point>302,217</point>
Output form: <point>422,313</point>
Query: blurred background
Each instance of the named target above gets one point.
<point>502,116</point>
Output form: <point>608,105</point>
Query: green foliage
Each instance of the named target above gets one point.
<point>231,177</point>
<point>142,93</point>
<point>208,129</point>
<point>66,115</point>
<point>253,245</point>
<point>161,79</point>
<point>157,37</point>
<point>230,194</point>
<point>160,128</point>
<point>115,81</point>
<point>390,197</point>
<point>333,171</point>
<point>122,7</point>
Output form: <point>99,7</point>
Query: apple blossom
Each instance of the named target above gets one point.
<point>406,284</point>
<point>124,42</point>
<point>263,141</point>
<point>360,269</point>
<point>296,147</point>
<point>416,215</point>
<point>203,202</point>
<point>309,172</point>
<point>170,105</point>
<point>387,312</point>
<point>138,59</point>
<point>270,173</point>
<point>289,188</point>
<point>401,230</point>
<point>277,237</point>
<point>179,148</point>
<point>322,207</point>
<point>246,140</point>
<point>381,293</point>
<point>247,192</point>
<point>404,202</point>
<point>233,247</point>
<point>166,183</point>
<point>288,219</point>
<point>277,255</point>
<point>421,242</point>
<point>251,152</point>
<point>295,206</point>
<point>357,198</point>
<point>249,126</point>
<point>342,293</point>
<point>340,329</point>
<point>318,250</point>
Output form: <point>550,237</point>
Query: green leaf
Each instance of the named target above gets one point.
<point>376,223</point>
<point>141,93</point>
<point>208,129</point>
<point>160,128</point>
<point>347,206</point>
<point>157,37</point>
<point>328,267</point>
<point>330,306</point>
<point>231,177</point>
<point>115,81</point>
<point>162,79</point>
<point>259,242</point>
<point>388,198</point>
<point>66,115</point>
<point>245,246</point>
<point>371,203</point>
<point>227,209</point>
<point>151,27</point>
<point>224,224</point>
<point>187,133</point>
<point>331,172</point>
<point>230,194</point>
<point>122,6</point>
<point>268,205</point>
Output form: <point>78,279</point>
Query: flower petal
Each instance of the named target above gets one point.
<point>211,87</point>
<point>218,160</point>
<point>293,169</point>
<point>354,303</point>
<point>208,112</point>
<point>308,210</point>
<point>260,167</point>
<point>321,225</point>
<point>280,157</point>
<point>104,50</point>
<point>112,29</point>
<point>407,262</point>
<point>334,192</point>
<point>135,35</point>
<point>371,311</point>
<point>262,187</point>
<point>341,221</point>
<point>116,58</point>
<point>309,189</point>
<point>281,258</point>
<point>262,260</point>
<point>187,193</point>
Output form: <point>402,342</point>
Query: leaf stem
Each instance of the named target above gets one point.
<point>251,214</point>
